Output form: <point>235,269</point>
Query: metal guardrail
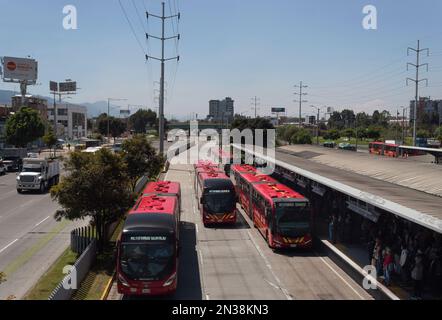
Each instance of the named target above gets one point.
<point>81,238</point>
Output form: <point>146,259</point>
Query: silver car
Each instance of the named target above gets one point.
<point>3,168</point>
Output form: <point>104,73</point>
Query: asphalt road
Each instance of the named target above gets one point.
<point>234,263</point>
<point>30,239</point>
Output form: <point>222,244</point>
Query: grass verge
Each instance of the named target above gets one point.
<point>49,281</point>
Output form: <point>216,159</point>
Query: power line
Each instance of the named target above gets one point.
<point>131,27</point>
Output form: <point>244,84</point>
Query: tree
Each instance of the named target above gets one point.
<point>302,136</point>
<point>422,133</point>
<point>335,121</point>
<point>332,134</point>
<point>141,159</point>
<point>140,120</point>
<point>438,134</point>
<point>363,120</point>
<point>96,186</point>
<point>253,124</point>
<point>348,133</point>
<point>116,126</point>
<point>374,132</point>
<point>24,127</point>
<point>50,139</point>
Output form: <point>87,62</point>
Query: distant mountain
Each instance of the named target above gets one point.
<point>6,95</point>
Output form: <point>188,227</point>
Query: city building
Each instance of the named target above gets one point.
<point>36,103</point>
<point>221,111</point>
<point>426,106</point>
<point>71,120</point>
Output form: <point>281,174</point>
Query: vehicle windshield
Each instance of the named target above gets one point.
<point>293,219</point>
<point>29,169</point>
<point>219,201</point>
<point>147,261</point>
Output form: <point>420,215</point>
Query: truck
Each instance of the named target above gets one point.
<point>13,158</point>
<point>38,175</point>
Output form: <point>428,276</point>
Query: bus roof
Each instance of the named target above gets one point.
<point>155,204</point>
<point>204,163</point>
<point>208,170</point>
<point>211,175</point>
<point>278,192</point>
<point>162,187</point>
<point>243,168</point>
<point>258,178</point>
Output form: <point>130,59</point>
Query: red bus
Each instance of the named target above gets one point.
<point>225,159</point>
<point>282,216</point>
<point>391,150</point>
<point>244,182</point>
<point>164,188</point>
<point>148,248</point>
<point>217,198</point>
<point>376,147</point>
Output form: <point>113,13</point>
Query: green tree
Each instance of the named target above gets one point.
<point>374,132</point>
<point>24,127</point>
<point>96,186</point>
<point>332,134</point>
<point>348,133</point>
<point>50,139</point>
<point>253,124</point>
<point>116,126</point>
<point>142,119</point>
<point>438,134</point>
<point>423,133</point>
<point>141,159</point>
<point>302,136</point>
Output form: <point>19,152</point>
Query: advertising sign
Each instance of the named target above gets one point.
<point>20,69</point>
<point>68,86</point>
<point>53,86</point>
<point>278,110</point>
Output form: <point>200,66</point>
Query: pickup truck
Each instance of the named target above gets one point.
<point>38,175</point>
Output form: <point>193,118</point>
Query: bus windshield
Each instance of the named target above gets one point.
<point>147,261</point>
<point>219,201</point>
<point>293,218</point>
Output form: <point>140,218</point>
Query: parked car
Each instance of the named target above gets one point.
<point>347,146</point>
<point>329,144</point>
<point>3,168</point>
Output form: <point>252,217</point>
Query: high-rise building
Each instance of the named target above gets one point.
<point>222,111</point>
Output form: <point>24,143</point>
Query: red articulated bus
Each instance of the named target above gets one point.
<point>164,188</point>
<point>244,182</point>
<point>217,198</point>
<point>376,147</point>
<point>225,159</point>
<point>148,248</point>
<point>282,216</point>
<point>391,150</point>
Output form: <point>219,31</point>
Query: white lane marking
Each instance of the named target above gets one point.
<point>42,221</point>
<point>343,280</point>
<point>8,245</point>
<point>269,266</point>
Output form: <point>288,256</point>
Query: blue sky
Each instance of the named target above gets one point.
<point>237,48</point>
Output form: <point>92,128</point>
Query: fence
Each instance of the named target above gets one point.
<point>66,287</point>
<point>81,238</point>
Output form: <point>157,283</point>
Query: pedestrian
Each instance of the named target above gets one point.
<point>332,228</point>
<point>417,274</point>
<point>69,147</point>
<point>404,263</point>
<point>388,266</point>
<point>376,261</point>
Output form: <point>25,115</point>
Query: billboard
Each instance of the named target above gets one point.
<point>278,110</point>
<point>53,86</point>
<point>125,112</point>
<point>20,69</point>
<point>68,86</point>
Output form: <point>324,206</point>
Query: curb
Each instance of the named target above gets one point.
<point>108,288</point>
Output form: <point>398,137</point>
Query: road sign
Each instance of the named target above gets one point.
<point>68,86</point>
<point>278,110</point>
<point>20,69</point>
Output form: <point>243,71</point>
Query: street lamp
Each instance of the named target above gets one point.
<point>108,114</point>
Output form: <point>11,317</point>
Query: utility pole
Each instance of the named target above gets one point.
<point>317,122</point>
<point>163,18</point>
<point>417,81</point>
<point>301,94</point>
<point>255,102</point>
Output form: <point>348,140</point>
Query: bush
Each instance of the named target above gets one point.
<point>302,136</point>
<point>423,133</point>
<point>332,135</point>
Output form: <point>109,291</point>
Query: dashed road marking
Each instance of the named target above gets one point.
<point>10,244</point>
